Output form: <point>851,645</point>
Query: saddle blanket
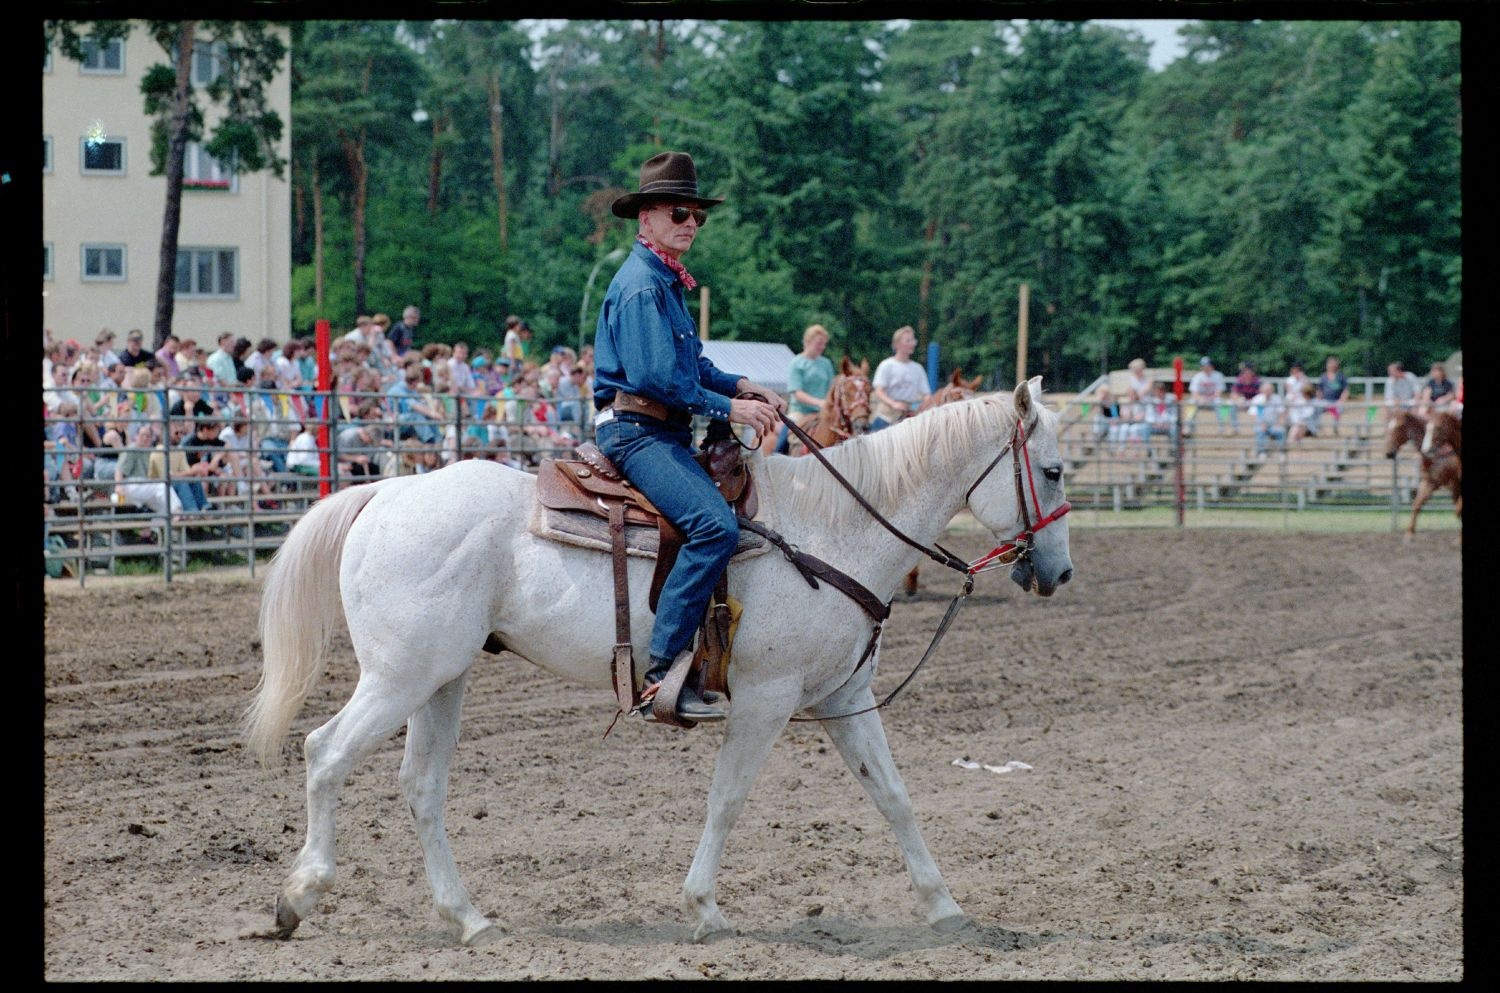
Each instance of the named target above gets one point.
<point>641,540</point>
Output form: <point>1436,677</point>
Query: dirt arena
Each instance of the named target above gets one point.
<point>1246,762</point>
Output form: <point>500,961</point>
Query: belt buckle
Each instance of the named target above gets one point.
<point>604,416</point>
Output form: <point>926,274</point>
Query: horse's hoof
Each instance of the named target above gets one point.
<point>713,930</point>
<point>489,934</point>
<point>953,924</point>
<point>286,920</point>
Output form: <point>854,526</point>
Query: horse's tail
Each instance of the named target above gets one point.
<point>299,611</point>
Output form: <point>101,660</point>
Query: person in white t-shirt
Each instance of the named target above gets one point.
<point>1207,389</point>
<point>900,384</point>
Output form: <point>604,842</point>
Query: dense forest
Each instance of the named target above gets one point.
<point>1285,190</point>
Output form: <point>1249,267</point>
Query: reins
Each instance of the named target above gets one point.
<point>1019,546</point>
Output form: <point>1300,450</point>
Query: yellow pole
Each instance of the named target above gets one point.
<point>1021,327</point>
<point>703,312</point>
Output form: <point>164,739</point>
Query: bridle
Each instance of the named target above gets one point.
<point>841,407</point>
<point>1017,548</point>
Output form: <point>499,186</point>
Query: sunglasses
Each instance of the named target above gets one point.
<point>680,215</point>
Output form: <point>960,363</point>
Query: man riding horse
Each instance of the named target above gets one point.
<point>650,378</point>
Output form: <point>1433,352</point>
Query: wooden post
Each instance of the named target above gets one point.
<point>703,313</point>
<point>1022,324</point>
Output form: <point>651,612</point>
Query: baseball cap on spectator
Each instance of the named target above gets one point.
<point>72,345</point>
<point>1205,360</point>
<point>135,336</point>
<point>480,362</point>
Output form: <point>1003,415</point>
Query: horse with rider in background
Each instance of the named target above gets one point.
<point>1439,439</point>
<point>845,412</point>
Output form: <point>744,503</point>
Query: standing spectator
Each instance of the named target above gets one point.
<point>1268,410</point>
<point>1438,393</point>
<point>221,363</point>
<point>105,342</point>
<point>166,356</point>
<point>459,373</point>
<point>403,333</point>
<point>1207,389</point>
<point>514,345</point>
<point>134,354</point>
<point>1333,390</point>
<point>900,384</point>
<point>1401,387</point>
<point>808,378</point>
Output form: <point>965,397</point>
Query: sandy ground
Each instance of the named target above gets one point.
<point>1246,753</point>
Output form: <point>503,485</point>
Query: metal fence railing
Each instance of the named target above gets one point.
<point>125,479</point>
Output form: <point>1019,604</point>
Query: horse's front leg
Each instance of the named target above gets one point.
<point>861,741</point>
<point>1424,491</point>
<point>758,715</point>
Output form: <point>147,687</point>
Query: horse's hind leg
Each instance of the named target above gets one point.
<point>431,737</point>
<point>1424,491</point>
<point>372,714</point>
<point>861,741</point>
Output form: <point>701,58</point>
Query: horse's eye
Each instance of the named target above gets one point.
<point>1053,473</point>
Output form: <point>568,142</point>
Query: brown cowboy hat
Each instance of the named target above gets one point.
<point>665,178</point>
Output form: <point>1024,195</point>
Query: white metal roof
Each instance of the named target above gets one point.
<point>764,362</point>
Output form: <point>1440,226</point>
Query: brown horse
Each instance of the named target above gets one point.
<point>956,388</point>
<point>845,411</point>
<point>1440,440</point>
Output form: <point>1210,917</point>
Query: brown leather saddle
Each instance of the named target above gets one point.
<point>592,484</point>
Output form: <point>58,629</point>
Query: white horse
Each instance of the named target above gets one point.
<point>458,543</point>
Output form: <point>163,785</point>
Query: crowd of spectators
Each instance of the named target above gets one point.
<point>397,408</point>
<point>1282,411</point>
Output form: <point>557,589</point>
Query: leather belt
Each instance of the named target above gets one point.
<point>630,403</point>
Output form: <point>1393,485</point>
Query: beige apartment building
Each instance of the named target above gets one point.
<point>102,209</point>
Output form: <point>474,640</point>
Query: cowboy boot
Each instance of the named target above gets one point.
<point>691,706</point>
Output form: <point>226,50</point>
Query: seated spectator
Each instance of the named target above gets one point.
<point>104,342</point>
<point>135,483</point>
<point>207,460</point>
<point>1207,389</point>
<point>1161,412</point>
<point>1269,412</point>
<point>166,356</point>
<point>135,354</point>
<point>190,402</point>
<point>1438,393</point>
<point>1291,387</point>
<point>459,373</point>
<point>264,353</point>
<point>412,419</point>
<point>1107,418</point>
<point>1301,414</point>
<point>188,357</point>
<point>288,369</point>
<point>107,455</point>
<point>570,395</point>
<point>1401,387</point>
<point>1140,385</point>
<point>1245,388</point>
<point>303,456</point>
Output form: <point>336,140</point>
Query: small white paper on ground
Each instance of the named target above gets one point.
<point>1010,766</point>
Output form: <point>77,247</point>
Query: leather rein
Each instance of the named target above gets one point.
<point>1018,547</point>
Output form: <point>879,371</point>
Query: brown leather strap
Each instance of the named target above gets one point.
<point>664,706</point>
<point>669,542</point>
<point>630,403</point>
<point>622,667</point>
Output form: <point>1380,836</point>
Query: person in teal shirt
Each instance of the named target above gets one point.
<point>808,378</point>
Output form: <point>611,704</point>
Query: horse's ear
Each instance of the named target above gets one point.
<point>958,377</point>
<point>864,368</point>
<point>845,366</point>
<point>973,384</point>
<point>1022,400</point>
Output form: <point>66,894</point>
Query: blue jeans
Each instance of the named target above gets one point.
<point>192,496</point>
<point>658,460</point>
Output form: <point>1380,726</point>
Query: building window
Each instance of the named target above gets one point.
<point>201,171</point>
<point>46,260</point>
<point>107,58</point>
<point>46,153</point>
<point>209,61</point>
<point>104,157</point>
<point>104,263</point>
<point>208,272</point>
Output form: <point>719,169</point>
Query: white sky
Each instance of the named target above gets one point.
<point>1160,33</point>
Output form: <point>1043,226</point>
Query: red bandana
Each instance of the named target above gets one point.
<point>677,267</point>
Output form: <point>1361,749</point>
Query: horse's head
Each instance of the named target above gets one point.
<point>1402,426</point>
<point>850,392</point>
<point>1032,472</point>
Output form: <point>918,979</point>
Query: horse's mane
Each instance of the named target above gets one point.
<point>885,467</point>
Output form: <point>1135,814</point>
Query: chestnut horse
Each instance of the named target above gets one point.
<point>956,388</point>
<point>845,411</point>
<point>1440,440</point>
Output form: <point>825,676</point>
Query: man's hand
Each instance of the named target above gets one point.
<point>756,413</point>
<point>771,397</point>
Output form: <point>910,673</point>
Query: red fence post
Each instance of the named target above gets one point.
<point>325,380</point>
<point>1177,391</point>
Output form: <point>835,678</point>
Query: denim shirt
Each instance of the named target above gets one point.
<point>646,343</point>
